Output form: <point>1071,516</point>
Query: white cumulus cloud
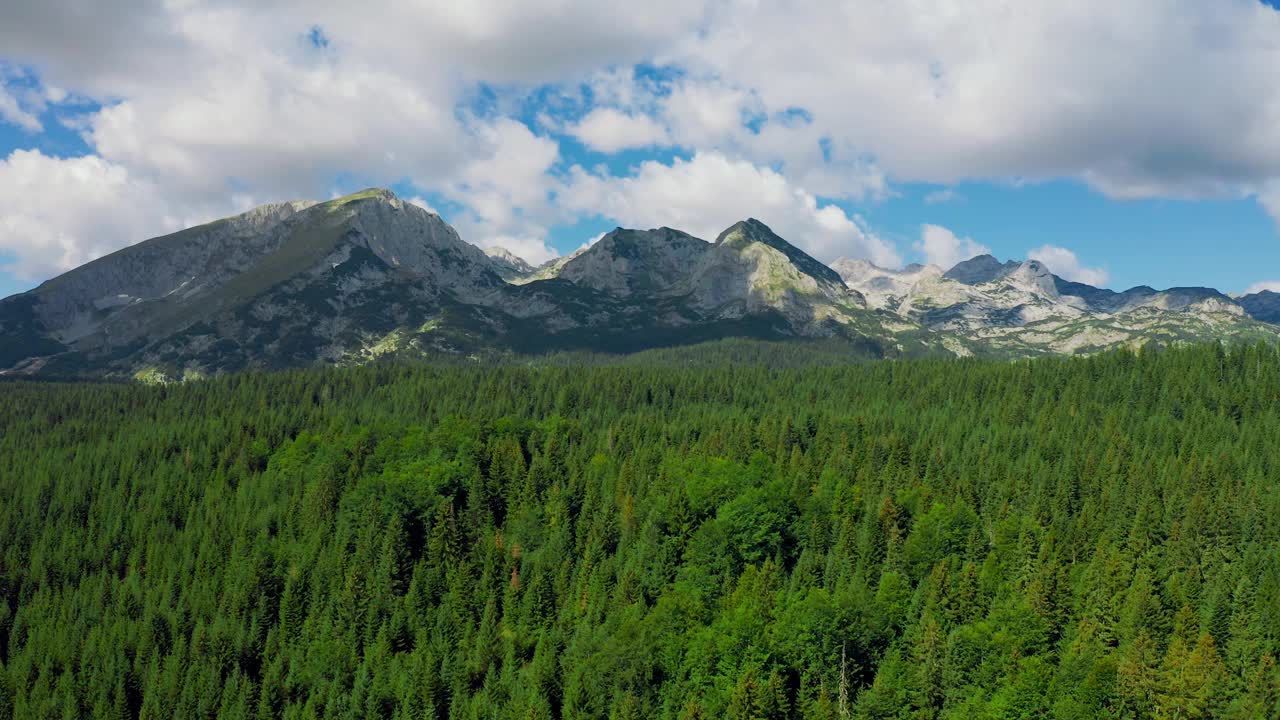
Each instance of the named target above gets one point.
<point>422,203</point>
<point>504,189</point>
<point>1272,285</point>
<point>198,97</point>
<point>1269,197</point>
<point>532,250</point>
<point>943,248</point>
<point>58,213</point>
<point>801,102</point>
<point>709,192</point>
<point>11,111</point>
<point>609,130</point>
<point>1064,263</point>
<point>1095,90</point>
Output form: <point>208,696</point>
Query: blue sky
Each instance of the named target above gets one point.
<point>853,128</point>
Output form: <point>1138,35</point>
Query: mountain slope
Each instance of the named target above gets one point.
<point>635,262</point>
<point>881,287</point>
<point>278,286</point>
<point>751,231</point>
<point>661,286</point>
<point>1263,306</point>
<point>980,269</point>
<point>1022,308</point>
<point>368,277</point>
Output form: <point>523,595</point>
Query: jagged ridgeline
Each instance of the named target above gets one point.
<point>369,277</point>
<point>1064,538</point>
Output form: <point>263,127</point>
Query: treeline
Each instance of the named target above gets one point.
<point>1084,538</point>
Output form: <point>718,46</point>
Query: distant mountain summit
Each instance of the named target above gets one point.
<point>980,269</point>
<point>635,262</point>
<point>672,286</point>
<point>1021,308</point>
<point>882,288</point>
<point>507,264</point>
<point>750,231</point>
<point>1264,306</point>
<point>369,277</point>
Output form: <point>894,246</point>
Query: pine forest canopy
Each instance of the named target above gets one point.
<point>664,538</point>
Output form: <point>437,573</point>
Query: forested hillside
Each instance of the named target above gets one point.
<point>1082,538</point>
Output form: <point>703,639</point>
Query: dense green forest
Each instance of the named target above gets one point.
<point>1059,538</point>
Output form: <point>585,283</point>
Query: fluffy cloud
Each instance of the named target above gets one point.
<point>609,130</point>
<point>1269,197</point>
<point>709,114</point>
<point>1272,285</point>
<point>531,249</point>
<point>702,114</point>
<point>422,203</point>
<point>282,120</point>
<point>11,111</point>
<point>107,48</point>
<point>1128,96</point>
<point>943,248</point>
<point>821,99</point>
<point>710,192</point>
<point>58,213</point>
<point>504,189</point>
<point>1065,264</point>
<point>943,196</point>
<point>204,98</point>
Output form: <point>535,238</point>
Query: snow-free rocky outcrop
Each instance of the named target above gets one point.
<point>369,277</point>
<point>665,285</point>
<point>1022,308</point>
<point>282,285</point>
<point>747,269</point>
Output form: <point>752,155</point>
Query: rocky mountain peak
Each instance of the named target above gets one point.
<point>745,232</point>
<point>1263,306</point>
<point>1033,276</point>
<point>372,193</point>
<point>654,241</point>
<point>980,269</point>
<point>853,270</point>
<point>882,287</point>
<point>627,262</point>
<point>406,237</point>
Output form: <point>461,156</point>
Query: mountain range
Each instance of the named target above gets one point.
<point>369,277</point>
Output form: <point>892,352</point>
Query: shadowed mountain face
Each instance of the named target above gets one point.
<point>1264,306</point>
<point>369,277</point>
